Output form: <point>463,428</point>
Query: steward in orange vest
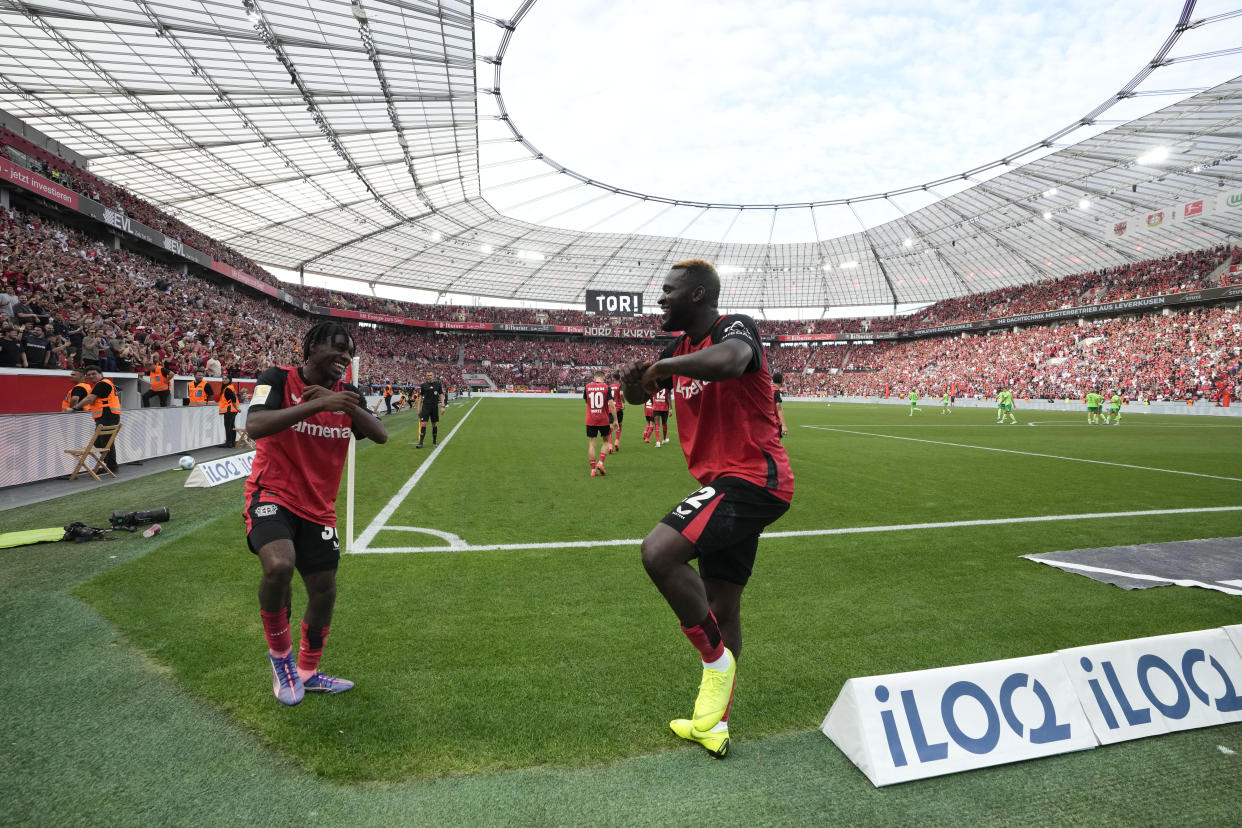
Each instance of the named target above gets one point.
<point>105,407</point>
<point>198,391</point>
<point>228,408</point>
<point>161,379</point>
<point>78,392</point>
<point>388,396</point>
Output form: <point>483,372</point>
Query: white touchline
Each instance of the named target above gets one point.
<point>849,530</point>
<point>1138,576</point>
<point>1028,453</point>
<point>364,540</point>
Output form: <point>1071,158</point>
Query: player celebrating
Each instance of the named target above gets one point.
<point>618,405</point>
<point>431,393</point>
<point>659,410</point>
<point>301,419</point>
<point>731,439</point>
<point>778,402</point>
<point>649,413</point>
<point>599,412</point>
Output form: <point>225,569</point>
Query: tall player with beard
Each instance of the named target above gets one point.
<point>719,380</point>
<point>301,419</point>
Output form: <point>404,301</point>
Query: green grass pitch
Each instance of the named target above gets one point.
<point>521,669</point>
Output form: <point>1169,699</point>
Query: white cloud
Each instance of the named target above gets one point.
<point>762,101</point>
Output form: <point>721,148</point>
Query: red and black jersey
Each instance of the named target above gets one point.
<point>299,467</point>
<point>597,395</point>
<point>618,396</point>
<point>660,401</point>
<point>729,427</point>
<point>649,408</point>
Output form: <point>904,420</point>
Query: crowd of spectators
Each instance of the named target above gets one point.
<point>69,299</point>
<point>69,175</point>
<point>122,311</point>
<point>1152,277</point>
<point>1185,355</point>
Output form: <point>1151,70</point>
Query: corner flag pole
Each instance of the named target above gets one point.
<point>349,477</point>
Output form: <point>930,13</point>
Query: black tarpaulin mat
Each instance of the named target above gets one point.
<point>1211,563</point>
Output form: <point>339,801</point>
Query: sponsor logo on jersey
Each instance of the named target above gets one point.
<point>327,432</point>
<point>692,388</point>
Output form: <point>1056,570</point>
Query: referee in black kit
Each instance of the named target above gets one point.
<point>431,393</point>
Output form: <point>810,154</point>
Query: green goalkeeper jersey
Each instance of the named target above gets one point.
<point>1093,399</point>
<point>1115,401</point>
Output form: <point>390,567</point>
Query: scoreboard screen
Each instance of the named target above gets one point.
<point>615,303</point>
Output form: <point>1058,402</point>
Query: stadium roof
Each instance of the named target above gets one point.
<point>348,138</point>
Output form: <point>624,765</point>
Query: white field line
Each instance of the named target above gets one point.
<point>850,530</point>
<point>1029,453</point>
<point>364,540</point>
<point>1135,575</point>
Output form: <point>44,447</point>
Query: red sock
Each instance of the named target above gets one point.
<point>311,650</point>
<point>647,432</point>
<point>705,636</point>
<point>276,628</point>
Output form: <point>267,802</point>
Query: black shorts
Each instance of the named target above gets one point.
<point>429,412</point>
<point>316,547</point>
<point>724,520</point>
<point>599,431</point>
<point>620,415</point>
<point>662,416</point>
<point>650,418</point>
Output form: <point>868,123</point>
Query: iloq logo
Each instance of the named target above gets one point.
<point>931,722</point>
<point>1155,685</point>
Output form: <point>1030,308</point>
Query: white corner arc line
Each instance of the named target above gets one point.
<point>1138,576</point>
<point>1029,453</point>
<point>364,540</point>
<point>849,530</point>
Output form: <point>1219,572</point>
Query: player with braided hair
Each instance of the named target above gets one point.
<point>302,419</point>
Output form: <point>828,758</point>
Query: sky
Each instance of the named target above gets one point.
<point>791,101</point>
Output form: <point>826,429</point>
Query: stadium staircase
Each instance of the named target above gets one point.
<point>475,380</point>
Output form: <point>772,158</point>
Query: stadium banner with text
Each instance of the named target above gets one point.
<point>850,336</point>
<point>907,726</point>
<point>614,302</point>
<point>214,472</point>
<point>1173,216</point>
<point>47,188</point>
<point>1148,686</point>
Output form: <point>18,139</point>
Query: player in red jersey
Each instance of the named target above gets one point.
<point>730,435</point>
<point>301,419</point>
<point>649,413</point>
<point>659,413</point>
<point>599,412</point>
<point>618,407</point>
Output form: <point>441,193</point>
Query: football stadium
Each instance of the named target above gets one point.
<point>921,323</point>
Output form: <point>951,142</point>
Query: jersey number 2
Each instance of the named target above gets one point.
<point>695,501</point>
